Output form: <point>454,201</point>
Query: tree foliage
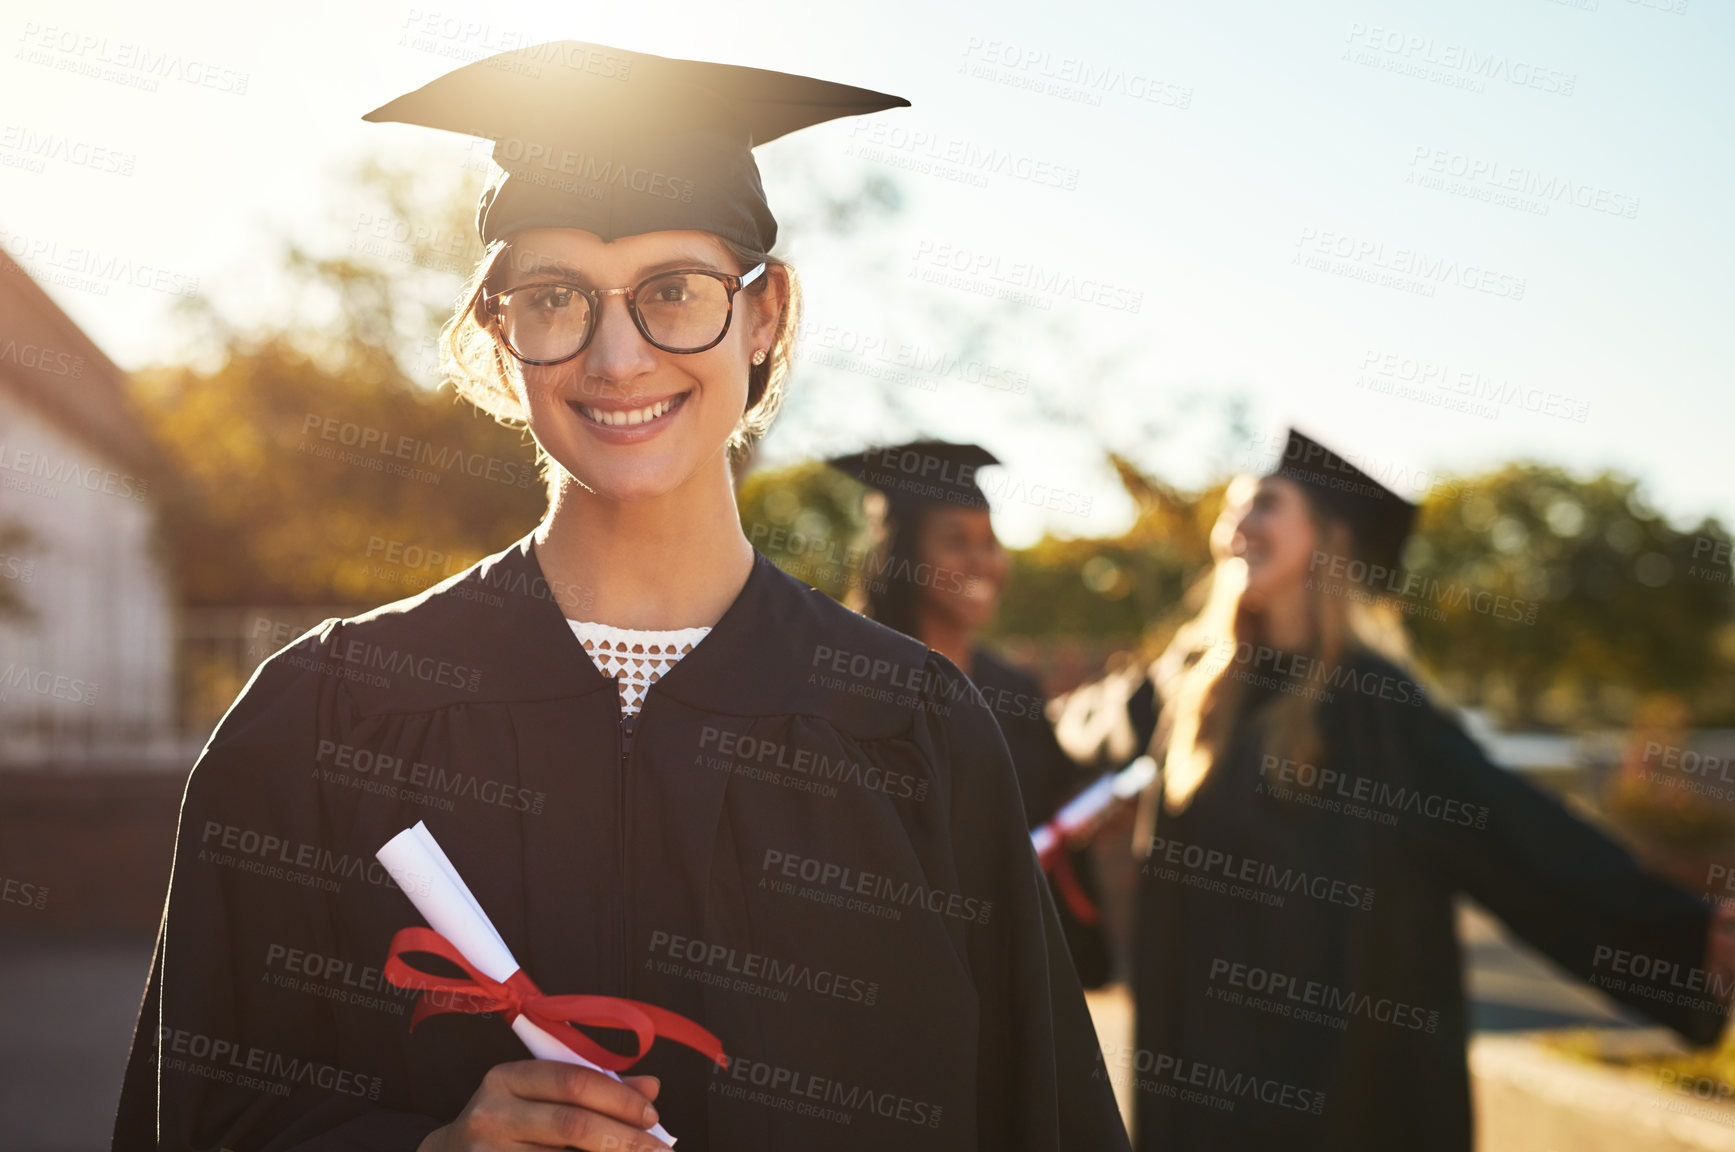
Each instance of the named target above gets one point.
<point>319,460</point>
<point>1615,603</point>
<point>302,484</point>
<point>1132,588</point>
<point>808,519</point>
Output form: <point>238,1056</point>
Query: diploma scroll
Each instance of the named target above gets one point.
<point>433,885</point>
<point>1093,803</point>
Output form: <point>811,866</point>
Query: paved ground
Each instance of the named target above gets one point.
<point>69,1003</point>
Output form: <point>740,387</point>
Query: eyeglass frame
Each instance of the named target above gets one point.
<point>731,285</point>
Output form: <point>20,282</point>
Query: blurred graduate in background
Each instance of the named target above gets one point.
<point>936,573</point>
<point>1296,963</point>
<point>1106,723</point>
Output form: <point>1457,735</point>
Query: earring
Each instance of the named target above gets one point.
<point>759,356</point>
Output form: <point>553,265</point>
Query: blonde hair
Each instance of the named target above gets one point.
<point>1204,705</point>
<point>478,366</point>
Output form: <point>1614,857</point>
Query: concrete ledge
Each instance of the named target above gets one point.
<point>1531,1098</point>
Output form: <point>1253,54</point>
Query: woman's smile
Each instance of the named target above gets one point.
<point>631,412</point>
<point>629,421</point>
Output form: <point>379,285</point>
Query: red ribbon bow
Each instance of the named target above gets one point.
<point>1057,862</point>
<point>556,1015</point>
<point>1072,891</point>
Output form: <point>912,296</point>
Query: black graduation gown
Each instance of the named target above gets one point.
<point>1297,969</point>
<point>816,850</point>
<point>1047,778</point>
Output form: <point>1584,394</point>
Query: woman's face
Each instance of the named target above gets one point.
<point>627,420</point>
<point>968,564</point>
<point>1276,539</point>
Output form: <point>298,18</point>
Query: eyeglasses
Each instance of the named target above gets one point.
<point>686,310</point>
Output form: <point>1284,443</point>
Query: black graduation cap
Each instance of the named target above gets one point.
<point>1379,518</point>
<point>921,473</point>
<point>618,143</point>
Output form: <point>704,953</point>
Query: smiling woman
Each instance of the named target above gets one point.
<point>666,372</point>
<point>483,364</point>
<point>852,908</point>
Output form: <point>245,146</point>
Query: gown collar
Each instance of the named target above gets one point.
<point>754,633</point>
<point>494,632</point>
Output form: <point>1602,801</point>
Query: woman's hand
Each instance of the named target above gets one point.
<point>547,1103</point>
<point>1116,824</point>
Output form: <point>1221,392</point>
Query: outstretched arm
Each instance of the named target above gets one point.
<point>1564,885</point>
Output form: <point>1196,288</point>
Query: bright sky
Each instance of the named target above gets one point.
<point>1346,212</point>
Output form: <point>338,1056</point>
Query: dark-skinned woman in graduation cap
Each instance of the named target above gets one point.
<point>936,573</point>
<point>613,728</point>
<point>1296,963</point>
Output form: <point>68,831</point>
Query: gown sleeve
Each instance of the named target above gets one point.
<point>1042,1085</point>
<point>1564,886</point>
<point>216,1062</point>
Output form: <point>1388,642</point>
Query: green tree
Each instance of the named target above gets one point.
<point>319,460</point>
<point>1613,606</point>
<point>300,483</point>
<point>807,518</point>
<point>1130,589</point>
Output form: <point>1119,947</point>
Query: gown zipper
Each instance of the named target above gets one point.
<point>627,756</point>
<point>621,812</point>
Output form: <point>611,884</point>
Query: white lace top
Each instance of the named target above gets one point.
<point>635,657</point>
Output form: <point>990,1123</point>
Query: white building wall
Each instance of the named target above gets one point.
<point>90,675</point>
